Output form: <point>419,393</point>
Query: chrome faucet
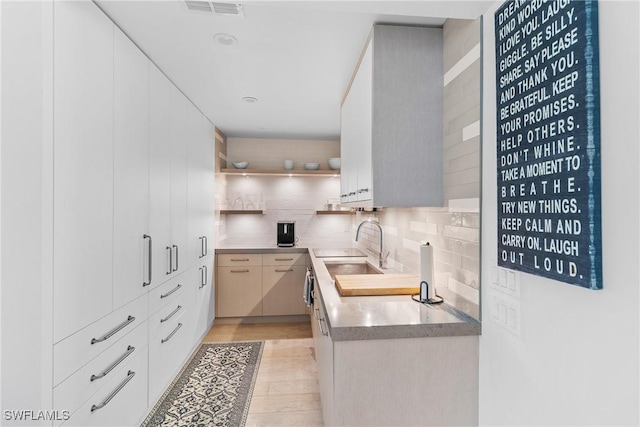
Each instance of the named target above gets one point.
<point>382,259</point>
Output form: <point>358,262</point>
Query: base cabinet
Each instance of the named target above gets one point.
<point>239,291</point>
<point>119,401</point>
<point>383,382</point>
<point>260,284</point>
<point>282,281</point>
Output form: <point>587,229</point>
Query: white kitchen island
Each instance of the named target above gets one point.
<point>388,360</point>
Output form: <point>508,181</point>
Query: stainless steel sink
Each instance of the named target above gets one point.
<point>335,268</point>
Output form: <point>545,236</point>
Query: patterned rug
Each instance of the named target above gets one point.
<point>213,389</point>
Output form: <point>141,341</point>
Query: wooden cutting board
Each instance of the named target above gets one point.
<point>377,284</point>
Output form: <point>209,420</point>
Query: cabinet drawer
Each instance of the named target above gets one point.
<point>75,351</point>
<point>82,385</point>
<point>284,259</point>
<point>236,260</point>
<point>122,401</point>
<point>165,316</point>
<point>239,291</point>
<point>170,291</point>
<point>167,353</point>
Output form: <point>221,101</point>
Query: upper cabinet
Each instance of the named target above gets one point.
<point>391,120</point>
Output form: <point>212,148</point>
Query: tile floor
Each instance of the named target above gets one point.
<point>286,392</point>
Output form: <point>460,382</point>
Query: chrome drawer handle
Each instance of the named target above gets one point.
<point>239,271</point>
<point>322,320</point>
<point>283,271</point>
<point>171,291</point>
<point>240,259</point>
<point>164,340</point>
<point>171,314</point>
<point>206,246</point>
<point>130,349</point>
<point>130,375</point>
<point>284,259</point>
<point>114,330</point>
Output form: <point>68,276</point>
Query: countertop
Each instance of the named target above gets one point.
<point>375,317</point>
<point>385,317</point>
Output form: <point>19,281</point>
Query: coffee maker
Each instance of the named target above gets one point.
<point>286,234</point>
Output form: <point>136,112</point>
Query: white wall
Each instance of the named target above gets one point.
<point>576,358</point>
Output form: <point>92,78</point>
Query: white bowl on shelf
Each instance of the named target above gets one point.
<point>334,163</point>
<point>240,165</point>
<point>311,166</point>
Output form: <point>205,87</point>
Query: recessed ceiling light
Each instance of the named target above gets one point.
<point>225,39</point>
<point>250,99</point>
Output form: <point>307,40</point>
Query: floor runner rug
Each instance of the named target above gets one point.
<point>213,389</point>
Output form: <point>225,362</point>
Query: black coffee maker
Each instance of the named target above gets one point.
<point>286,234</point>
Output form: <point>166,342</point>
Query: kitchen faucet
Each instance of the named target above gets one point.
<point>382,259</point>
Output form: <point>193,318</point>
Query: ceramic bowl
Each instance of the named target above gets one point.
<point>311,166</point>
<point>240,165</point>
<point>334,163</point>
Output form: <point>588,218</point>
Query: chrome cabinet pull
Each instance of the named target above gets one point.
<point>171,314</point>
<point>164,340</point>
<point>284,259</point>
<point>177,266</point>
<point>203,277</point>
<point>114,330</point>
<point>322,320</point>
<point>104,403</point>
<point>240,259</point>
<point>130,349</point>
<point>171,291</point>
<point>316,311</point>
<point>150,260</point>
<point>239,271</point>
<point>206,246</point>
<point>283,271</point>
<point>170,259</point>
<point>201,246</point>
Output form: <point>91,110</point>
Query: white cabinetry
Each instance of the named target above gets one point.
<point>168,130</point>
<point>123,200</point>
<point>392,120</point>
<point>324,358</point>
<point>204,302</point>
<point>160,173</point>
<point>131,255</point>
<point>83,167</point>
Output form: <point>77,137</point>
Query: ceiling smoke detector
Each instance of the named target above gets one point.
<point>225,39</point>
<point>215,8</point>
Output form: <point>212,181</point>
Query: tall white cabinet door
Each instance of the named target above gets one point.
<point>131,168</point>
<point>179,146</point>
<point>201,175</point>
<point>83,166</point>
<point>160,173</point>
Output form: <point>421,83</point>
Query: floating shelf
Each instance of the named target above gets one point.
<point>349,212</point>
<point>281,172</point>
<point>241,211</point>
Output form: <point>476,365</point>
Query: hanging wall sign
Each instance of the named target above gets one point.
<point>548,139</point>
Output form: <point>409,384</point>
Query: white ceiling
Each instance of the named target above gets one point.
<point>296,57</point>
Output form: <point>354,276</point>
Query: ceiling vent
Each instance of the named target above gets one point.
<point>215,8</point>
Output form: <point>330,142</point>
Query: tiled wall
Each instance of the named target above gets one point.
<point>454,229</point>
<point>283,198</point>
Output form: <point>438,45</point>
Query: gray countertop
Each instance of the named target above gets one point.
<point>385,317</point>
<point>375,317</point>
